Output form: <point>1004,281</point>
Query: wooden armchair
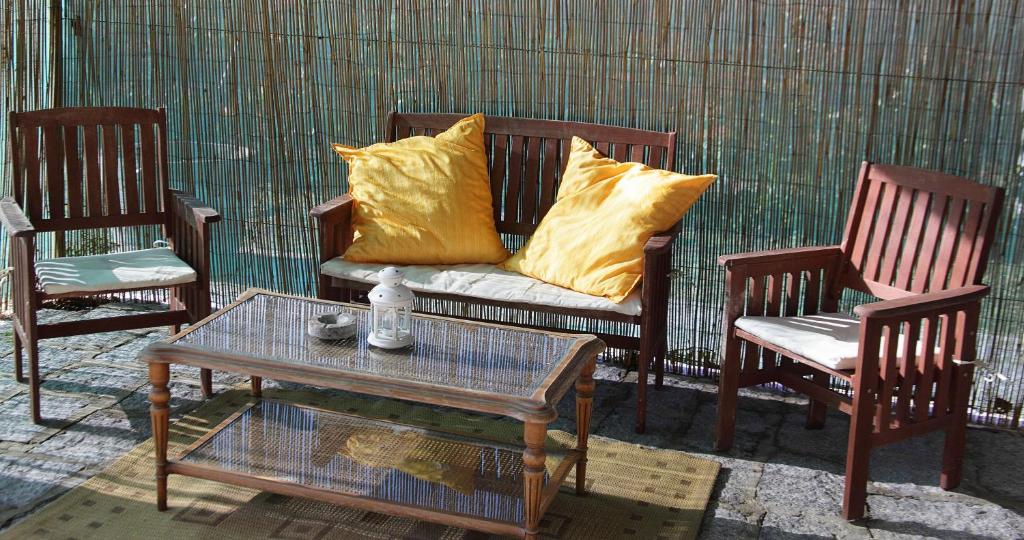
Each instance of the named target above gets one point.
<point>919,241</point>
<point>123,155</point>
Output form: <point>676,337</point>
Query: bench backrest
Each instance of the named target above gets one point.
<point>90,167</point>
<point>527,156</point>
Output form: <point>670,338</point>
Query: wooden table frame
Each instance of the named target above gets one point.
<point>535,411</point>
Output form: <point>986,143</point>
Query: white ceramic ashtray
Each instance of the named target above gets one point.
<point>332,326</point>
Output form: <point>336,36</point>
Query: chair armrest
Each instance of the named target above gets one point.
<point>195,211</point>
<point>922,305</point>
<point>332,210</point>
<point>779,255</point>
<point>747,279</point>
<point>14,219</point>
<point>954,343</point>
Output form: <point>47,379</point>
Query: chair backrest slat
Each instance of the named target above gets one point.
<point>93,182</point>
<point>951,237</point>
<point>90,161</point>
<point>54,147</point>
<point>149,181</point>
<point>620,152</point>
<point>913,231</point>
<point>110,170</point>
<point>164,199</point>
<point>896,238</point>
<point>498,159</point>
<point>527,157</point>
<point>528,205</point>
<point>550,165</point>
<point>983,239</point>
<point>31,162</point>
<point>912,243</point>
<point>865,222</point>
<point>513,182</point>
<point>636,153</point>
<point>880,232</point>
<point>73,164</point>
<point>131,181</point>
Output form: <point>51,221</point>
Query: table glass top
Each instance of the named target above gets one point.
<point>445,352</point>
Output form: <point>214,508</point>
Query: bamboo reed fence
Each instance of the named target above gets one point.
<point>781,98</point>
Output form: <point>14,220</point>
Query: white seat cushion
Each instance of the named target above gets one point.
<point>830,339</point>
<point>484,281</point>
<point>158,267</point>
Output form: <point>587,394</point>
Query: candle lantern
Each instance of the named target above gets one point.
<point>390,311</point>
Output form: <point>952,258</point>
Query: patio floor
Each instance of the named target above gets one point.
<point>780,480</point>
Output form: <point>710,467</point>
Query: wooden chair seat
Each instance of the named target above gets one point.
<point>112,272</point>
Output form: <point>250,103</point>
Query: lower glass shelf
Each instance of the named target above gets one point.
<point>374,459</point>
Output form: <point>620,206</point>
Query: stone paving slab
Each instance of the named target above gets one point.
<point>779,481</point>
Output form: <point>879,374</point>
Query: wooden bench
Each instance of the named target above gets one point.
<point>526,160</point>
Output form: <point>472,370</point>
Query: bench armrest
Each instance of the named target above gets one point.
<point>922,305</point>
<point>195,211</point>
<point>334,225</point>
<point>14,219</point>
<point>661,242</point>
<point>334,209</point>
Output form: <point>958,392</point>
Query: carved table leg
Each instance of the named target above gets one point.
<point>257,386</point>
<point>159,375</point>
<point>584,405</point>
<point>534,435</point>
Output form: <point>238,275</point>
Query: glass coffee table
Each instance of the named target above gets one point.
<point>378,465</point>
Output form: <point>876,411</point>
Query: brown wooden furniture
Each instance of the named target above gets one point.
<point>90,168</point>
<point>526,159</point>
<point>918,240</point>
<point>307,452</point>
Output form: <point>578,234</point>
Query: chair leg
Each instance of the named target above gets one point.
<point>19,373</point>
<point>642,364</point>
<point>206,382</point>
<point>953,455</point>
<point>816,410</point>
<point>728,394</point>
<point>34,381</point>
<point>175,329</point>
<point>858,461</point>
<point>956,433</point>
<point>659,364</point>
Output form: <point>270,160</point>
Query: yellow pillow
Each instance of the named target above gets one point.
<point>592,239</point>
<point>423,200</point>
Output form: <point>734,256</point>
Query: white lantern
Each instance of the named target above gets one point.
<point>390,311</point>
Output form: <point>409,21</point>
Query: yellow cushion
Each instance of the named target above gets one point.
<point>592,239</point>
<point>423,200</point>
